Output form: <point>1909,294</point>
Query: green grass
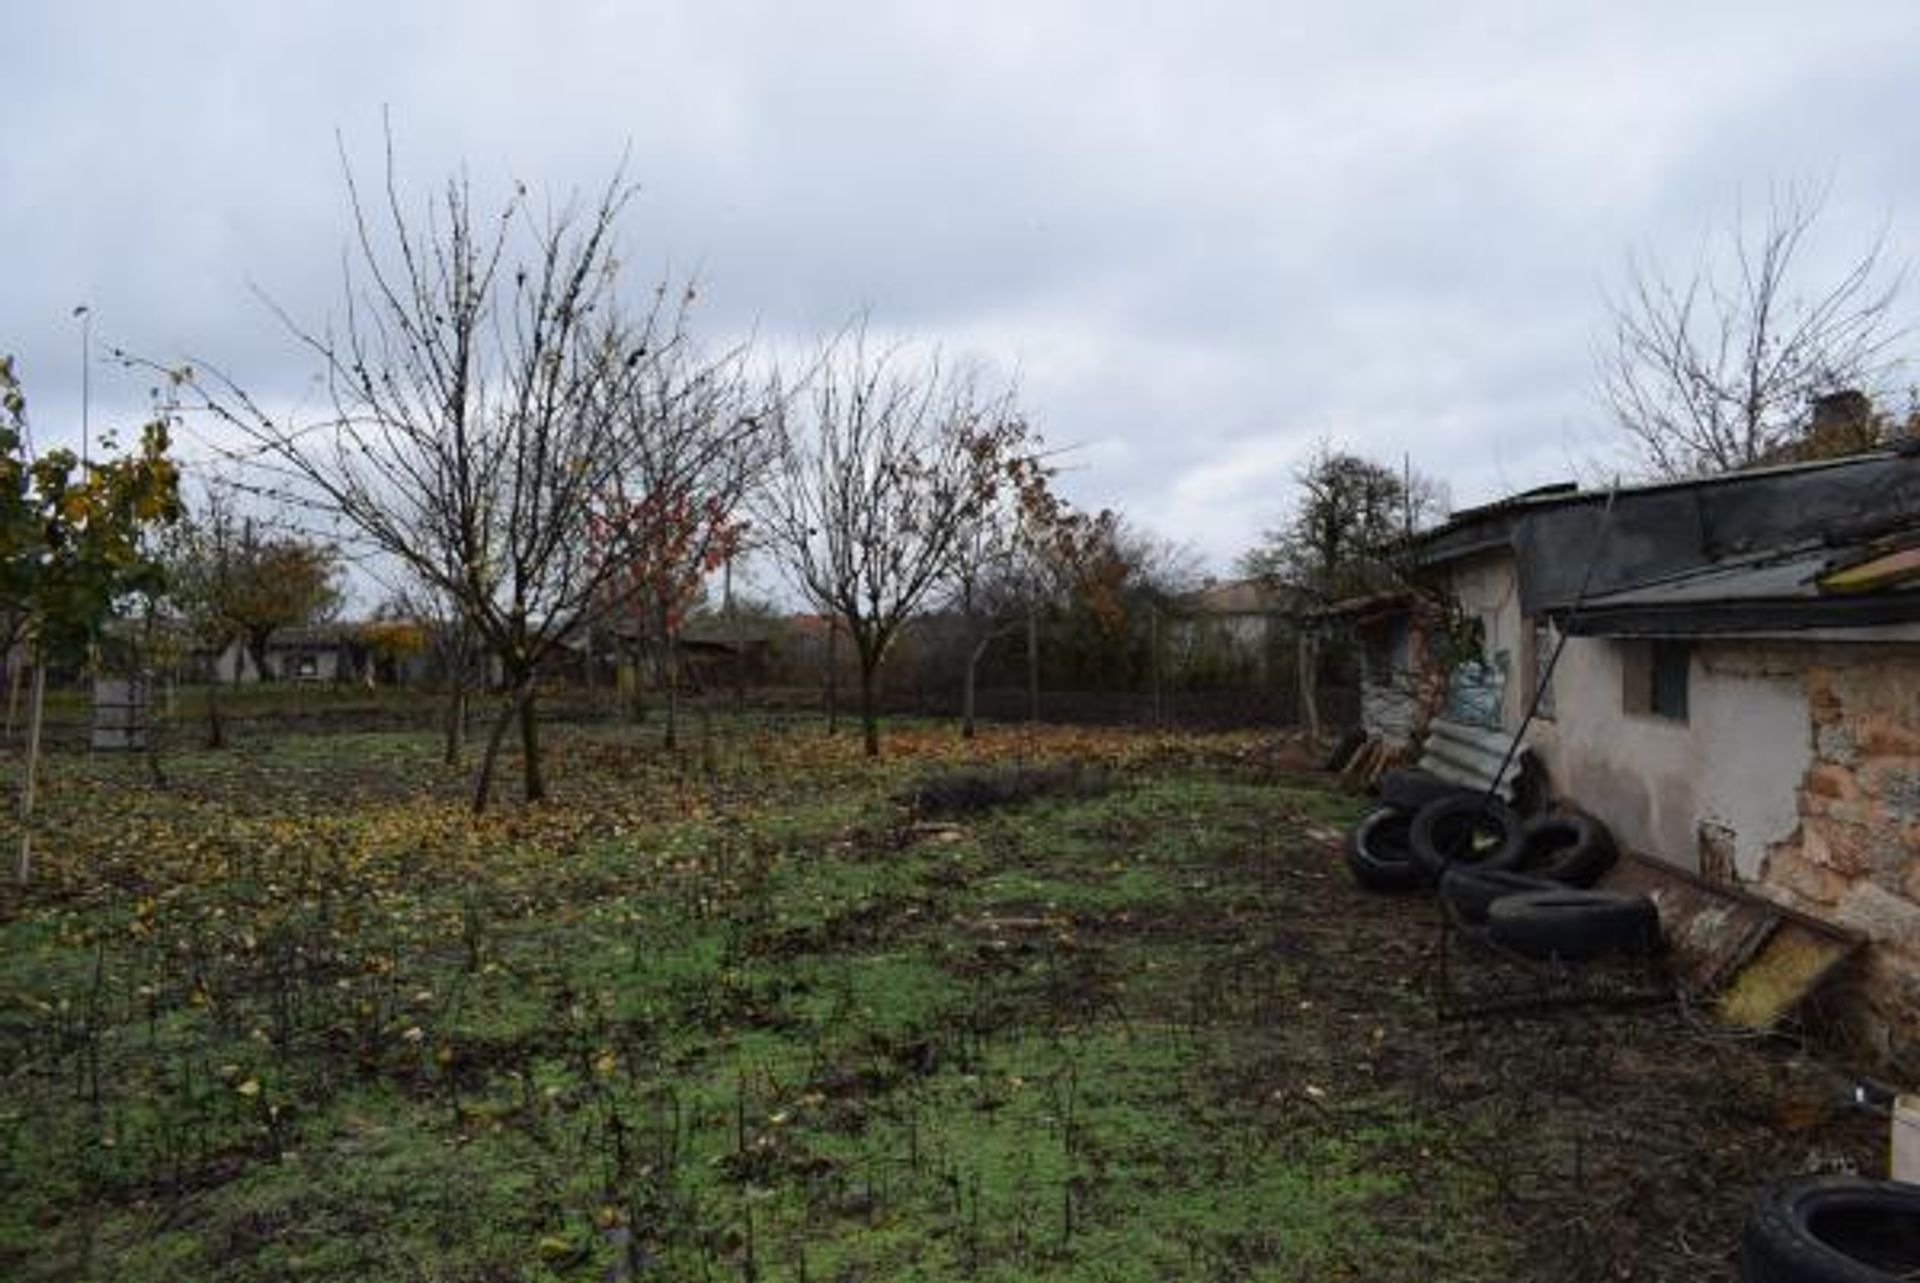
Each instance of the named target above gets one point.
<point>775,1035</point>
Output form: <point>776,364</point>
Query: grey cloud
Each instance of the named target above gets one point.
<point>1206,235</point>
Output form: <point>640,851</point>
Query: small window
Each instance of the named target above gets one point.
<point>1671,661</point>
<point>1654,678</point>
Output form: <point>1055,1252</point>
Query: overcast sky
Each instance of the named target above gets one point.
<point>1205,235</point>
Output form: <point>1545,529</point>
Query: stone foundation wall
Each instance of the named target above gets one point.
<point>1855,858</point>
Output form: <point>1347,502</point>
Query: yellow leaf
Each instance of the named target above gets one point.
<point>249,1088</point>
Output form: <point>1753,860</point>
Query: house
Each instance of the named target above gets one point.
<point>1235,629</point>
<point>1738,695</point>
<point>305,653</point>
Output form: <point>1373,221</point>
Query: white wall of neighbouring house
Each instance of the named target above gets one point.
<point>235,665</point>
<point>1795,771</point>
<point>1730,771</point>
<point>1728,775</point>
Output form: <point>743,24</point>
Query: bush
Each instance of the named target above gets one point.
<point>976,790</point>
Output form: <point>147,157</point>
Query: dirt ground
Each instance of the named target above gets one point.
<point>1630,1132</point>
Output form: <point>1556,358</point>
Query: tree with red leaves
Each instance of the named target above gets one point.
<point>699,438</point>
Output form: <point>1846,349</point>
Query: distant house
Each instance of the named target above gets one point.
<point>1233,630</point>
<point>1738,695</point>
<point>303,653</point>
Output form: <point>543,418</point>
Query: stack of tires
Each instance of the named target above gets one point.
<point>1525,885</point>
<point>1833,1229</point>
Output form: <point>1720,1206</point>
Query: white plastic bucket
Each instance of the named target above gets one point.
<point>1905,1164</point>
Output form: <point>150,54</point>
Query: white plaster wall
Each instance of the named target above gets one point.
<point>1488,588</point>
<point>1736,762</point>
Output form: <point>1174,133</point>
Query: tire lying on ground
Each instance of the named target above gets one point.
<point>1410,788</point>
<point>1378,855</point>
<point>1573,925</point>
<point>1833,1229</point>
<point>1470,892</point>
<point>1573,848</point>
<point>1466,828</point>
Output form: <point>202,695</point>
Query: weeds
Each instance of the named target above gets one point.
<point>734,1023</point>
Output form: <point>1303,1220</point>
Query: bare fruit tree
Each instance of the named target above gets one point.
<point>1717,369</point>
<point>1027,550</point>
<point>472,424</point>
<point>698,437</point>
<point>887,463</point>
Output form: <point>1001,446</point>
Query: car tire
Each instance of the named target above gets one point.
<point>1409,788</point>
<point>1378,854</point>
<point>1465,829</point>
<point>1573,849</point>
<point>1833,1229</point>
<point>1470,892</point>
<point>1574,925</point>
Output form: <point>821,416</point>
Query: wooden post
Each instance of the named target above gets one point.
<point>1033,664</point>
<point>13,658</point>
<point>833,674</point>
<point>36,713</point>
<point>1309,664</point>
<point>739,641</point>
<point>1153,660</point>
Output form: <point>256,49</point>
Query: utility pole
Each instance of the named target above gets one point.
<point>85,313</point>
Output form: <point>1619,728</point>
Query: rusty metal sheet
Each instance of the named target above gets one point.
<point>1754,959</point>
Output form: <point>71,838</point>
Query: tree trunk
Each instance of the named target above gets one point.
<point>869,704</point>
<point>257,644</point>
<point>483,785</point>
<point>739,643</point>
<point>1033,666</point>
<point>140,667</point>
<point>216,729</point>
<point>967,686</point>
<point>530,772</point>
<point>1153,660</point>
<point>669,652</point>
<point>456,718</point>
<point>636,663</point>
<point>36,711</point>
<point>833,675</point>
<point>1309,684</point>
<point>13,690</point>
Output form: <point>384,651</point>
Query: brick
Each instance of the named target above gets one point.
<point>1895,782</point>
<point>1824,779</point>
<point>1822,700</point>
<point>1843,848</point>
<point>1884,735</point>
<point>1835,744</point>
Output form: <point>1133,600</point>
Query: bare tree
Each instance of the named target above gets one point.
<point>1027,550</point>
<point>472,427</point>
<point>454,650</point>
<point>1717,369</point>
<point>698,437</point>
<point>886,464</point>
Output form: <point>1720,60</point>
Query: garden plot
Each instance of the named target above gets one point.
<point>750,1018</point>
